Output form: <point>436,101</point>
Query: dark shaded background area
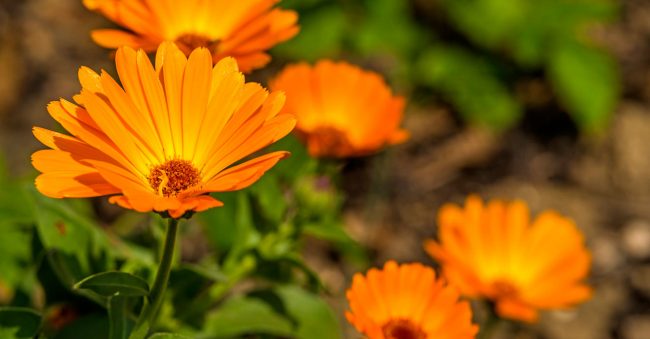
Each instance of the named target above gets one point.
<point>602,182</point>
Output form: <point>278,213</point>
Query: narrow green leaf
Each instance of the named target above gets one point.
<point>25,320</point>
<point>110,284</point>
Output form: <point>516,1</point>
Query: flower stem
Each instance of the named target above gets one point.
<point>489,326</point>
<point>152,304</point>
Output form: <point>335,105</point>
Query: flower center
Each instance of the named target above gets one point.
<point>328,141</point>
<point>402,329</point>
<point>188,42</point>
<point>504,289</point>
<point>173,177</point>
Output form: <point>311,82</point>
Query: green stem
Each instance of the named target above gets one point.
<point>489,326</point>
<point>152,304</point>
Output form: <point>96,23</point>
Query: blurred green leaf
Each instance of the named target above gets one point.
<point>549,20</point>
<point>315,319</point>
<point>335,233</point>
<point>8,333</point>
<point>401,36</point>
<point>167,336</point>
<point>270,198</point>
<point>23,322</point>
<point>321,35</point>
<point>109,284</point>
<point>96,325</point>
<point>298,164</point>
<point>15,252</point>
<point>301,4</point>
<point>230,228</point>
<point>62,229</point>
<point>241,315</point>
<point>285,311</point>
<point>471,85</point>
<point>486,22</point>
<point>14,203</point>
<point>586,81</point>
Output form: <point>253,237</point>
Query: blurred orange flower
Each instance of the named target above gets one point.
<point>495,252</point>
<point>243,29</point>
<point>165,138</point>
<point>407,302</point>
<point>342,110</point>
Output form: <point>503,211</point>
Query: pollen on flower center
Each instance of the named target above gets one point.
<point>402,329</point>
<point>173,177</point>
<point>188,42</point>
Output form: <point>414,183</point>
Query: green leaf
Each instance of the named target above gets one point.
<point>109,284</point>
<point>402,37</point>
<point>315,319</point>
<point>486,22</point>
<point>15,248</point>
<point>95,324</point>
<point>269,197</point>
<point>167,336</point>
<point>587,83</point>
<point>14,202</point>
<point>8,333</point>
<point>230,227</point>
<point>240,316</point>
<point>286,311</point>
<point>471,85</point>
<point>546,21</point>
<point>298,164</point>
<point>321,35</point>
<point>337,234</point>
<point>76,246</point>
<point>25,320</point>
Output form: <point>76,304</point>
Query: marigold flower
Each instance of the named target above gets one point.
<point>342,110</point>
<point>243,29</point>
<point>495,252</point>
<point>165,138</point>
<point>407,302</point>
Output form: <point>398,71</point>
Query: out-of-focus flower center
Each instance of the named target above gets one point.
<point>173,177</point>
<point>504,289</point>
<point>402,329</point>
<point>188,42</point>
<point>328,140</point>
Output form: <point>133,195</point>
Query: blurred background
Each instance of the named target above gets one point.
<point>546,101</point>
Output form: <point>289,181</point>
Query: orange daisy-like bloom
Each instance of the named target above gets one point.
<point>243,29</point>
<point>407,302</point>
<point>165,138</point>
<point>342,110</point>
<point>495,252</point>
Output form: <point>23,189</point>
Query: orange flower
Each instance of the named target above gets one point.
<point>407,302</point>
<point>495,252</point>
<point>243,29</point>
<point>164,140</point>
<point>342,111</point>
